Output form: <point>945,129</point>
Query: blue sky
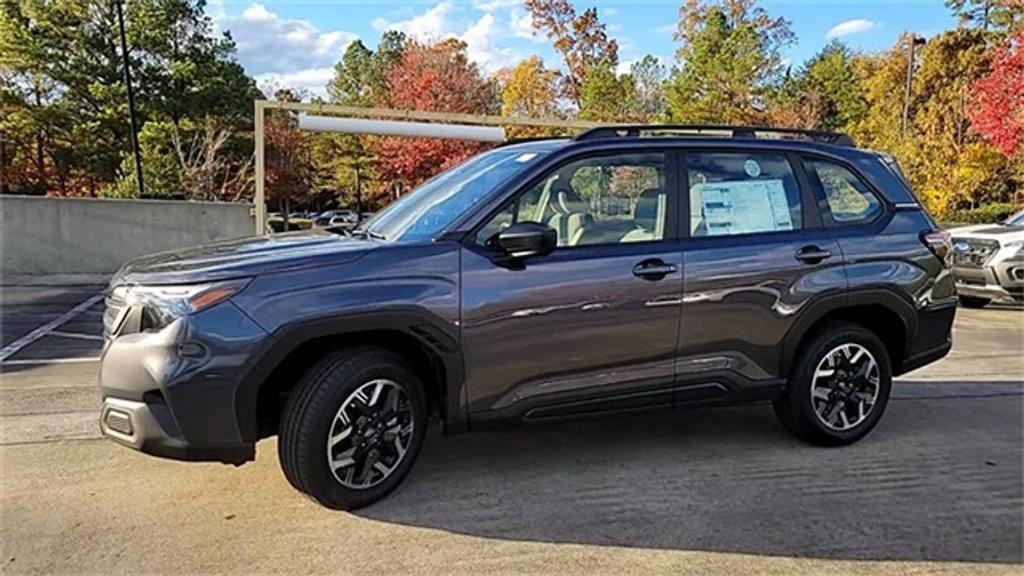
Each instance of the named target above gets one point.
<point>296,43</point>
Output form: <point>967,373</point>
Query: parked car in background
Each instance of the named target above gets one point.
<point>344,221</point>
<point>988,262</point>
<point>788,267</point>
<point>329,218</point>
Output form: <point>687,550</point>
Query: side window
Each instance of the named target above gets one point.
<point>599,200</point>
<point>849,199</point>
<point>734,193</point>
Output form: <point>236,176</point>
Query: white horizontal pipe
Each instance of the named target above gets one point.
<point>396,128</point>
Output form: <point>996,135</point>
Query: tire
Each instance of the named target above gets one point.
<point>832,347</point>
<point>336,394</point>
<point>974,301</point>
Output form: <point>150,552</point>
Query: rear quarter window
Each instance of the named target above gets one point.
<point>849,199</point>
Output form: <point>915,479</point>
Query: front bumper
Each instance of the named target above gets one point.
<point>172,393</point>
<point>1001,280</point>
<point>138,425</point>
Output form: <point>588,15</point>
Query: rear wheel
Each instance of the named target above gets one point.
<point>974,302</point>
<point>839,386</point>
<point>353,428</point>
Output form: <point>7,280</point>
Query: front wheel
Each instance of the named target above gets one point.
<point>353,428</point>
<point>838,388</point>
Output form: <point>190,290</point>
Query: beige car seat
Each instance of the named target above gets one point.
<point>647,214</point>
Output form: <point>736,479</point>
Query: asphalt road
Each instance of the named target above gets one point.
<point>937,488</point>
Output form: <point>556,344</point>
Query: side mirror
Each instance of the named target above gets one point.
<point>526,240</point>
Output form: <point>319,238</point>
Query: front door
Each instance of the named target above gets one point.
<point>593,325</point>
<point>755,254</point>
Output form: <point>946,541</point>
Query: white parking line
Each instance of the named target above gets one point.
<point>78,335</point>
<point>44,361</point>
<point>13,348</point>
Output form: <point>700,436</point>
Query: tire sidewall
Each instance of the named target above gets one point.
<point>320,482</point>
<point>800,402</point>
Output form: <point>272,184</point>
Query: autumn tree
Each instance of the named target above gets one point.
<point>581,39</point>
<point>360,77</point>
<point>289,168</point>
<point>434,77</point>
<point>730,57</point>
<point>824,94</point>
<point>1003,16</point>
<point>949,165</point>
<point>605,96</point>
<point>345,168</point>
<point>997,102</point>
<point>530,90</point>
<point>648,91</point>
<point>63,95</point>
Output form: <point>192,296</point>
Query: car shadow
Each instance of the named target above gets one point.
<point>939,480</point>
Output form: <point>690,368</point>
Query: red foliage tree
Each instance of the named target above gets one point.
<point>997,105</point>
<point>439,78</point>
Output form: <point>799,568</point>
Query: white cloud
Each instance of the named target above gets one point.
<point>482,35</point>
<point>492,5</point>
<point>290,53</point>
<point>856,26</point>
<point>311,80</point>
<point>521,25</point>
<point>432,24</point>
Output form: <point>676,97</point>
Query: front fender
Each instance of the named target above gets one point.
<point>428,329</point>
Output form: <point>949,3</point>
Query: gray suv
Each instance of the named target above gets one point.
<point>631,268</point>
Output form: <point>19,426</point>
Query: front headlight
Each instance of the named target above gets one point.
<point>1019,244</point>
<point>161,305</point>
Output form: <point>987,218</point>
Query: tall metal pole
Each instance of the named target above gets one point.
<point>131,99</point>
<point>914,42</point>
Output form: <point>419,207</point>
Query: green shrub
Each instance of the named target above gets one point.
<point>987,214</point>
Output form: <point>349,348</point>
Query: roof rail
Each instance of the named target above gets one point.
<point>712,130</point>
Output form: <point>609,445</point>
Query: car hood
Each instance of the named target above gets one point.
<point>1000,232</point>
<point>244,257</point>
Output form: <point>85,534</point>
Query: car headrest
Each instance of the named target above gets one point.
<point>569,202</point>
<point>645,213</point>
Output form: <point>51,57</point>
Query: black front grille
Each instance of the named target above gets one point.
<point>973,252</point>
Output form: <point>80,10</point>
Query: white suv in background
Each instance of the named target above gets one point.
<point>988,262</point>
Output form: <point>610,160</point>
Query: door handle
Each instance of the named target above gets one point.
<point>812,254</point>
<point>653,269</point>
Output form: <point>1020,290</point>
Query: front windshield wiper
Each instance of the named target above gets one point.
<point>364,233</point>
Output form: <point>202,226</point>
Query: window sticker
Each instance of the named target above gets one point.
<point>752,168</point>
<point>744,207</point>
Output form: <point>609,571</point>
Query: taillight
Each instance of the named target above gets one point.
<point>940,243</point>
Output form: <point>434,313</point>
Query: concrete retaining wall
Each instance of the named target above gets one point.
<point>86,235</point>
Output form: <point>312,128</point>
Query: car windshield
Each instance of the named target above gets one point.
<point>1017,219</point>
<point>424,212</point>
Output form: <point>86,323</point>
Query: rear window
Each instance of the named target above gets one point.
<point>742,193</point>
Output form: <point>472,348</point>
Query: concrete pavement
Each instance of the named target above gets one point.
<point>937,488</point>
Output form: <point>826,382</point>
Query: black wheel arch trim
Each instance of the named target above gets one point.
<point>426,328</point>
<point>818,309</point>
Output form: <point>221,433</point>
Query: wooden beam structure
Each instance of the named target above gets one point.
<point>323,108</point>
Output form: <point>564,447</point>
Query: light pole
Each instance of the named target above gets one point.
<point>915,41</point>
<point>131,98</point>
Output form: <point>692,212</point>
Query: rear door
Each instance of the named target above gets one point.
<point>754,253</point>
<point>592,326</point>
